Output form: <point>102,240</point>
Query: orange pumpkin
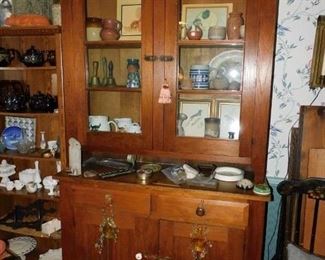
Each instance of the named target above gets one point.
<point>27,20</point>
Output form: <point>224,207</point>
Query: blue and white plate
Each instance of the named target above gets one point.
<point>11,137</point>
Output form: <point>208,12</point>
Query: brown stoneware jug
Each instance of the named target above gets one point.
<point>110,29</point>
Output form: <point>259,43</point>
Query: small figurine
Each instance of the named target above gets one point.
<point>75,156</point>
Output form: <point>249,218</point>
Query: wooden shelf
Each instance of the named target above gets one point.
<point>113,44</point>
<point>28,114</point>
<point>28,156</point>
<point>24,68</point>
<point>30,232</point>
<point>42,194</point>
<point>32,31</point>
<point>210,43</point>
<point>114,89</point>
<point>209,92</point>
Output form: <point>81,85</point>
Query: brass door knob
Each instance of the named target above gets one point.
<point>200,210</point>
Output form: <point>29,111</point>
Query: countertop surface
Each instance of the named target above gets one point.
<point>159,182</point>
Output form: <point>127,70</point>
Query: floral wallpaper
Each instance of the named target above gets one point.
<point>294,48</point>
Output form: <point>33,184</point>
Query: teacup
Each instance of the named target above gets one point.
<point>10,185</point>
<point>123,121</point>
<point>133,128</point>
<point>100,123</point>
<point>31,187</point>
<point>18,184</point>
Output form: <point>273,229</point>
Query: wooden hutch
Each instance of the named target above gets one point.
<point>157,220</point>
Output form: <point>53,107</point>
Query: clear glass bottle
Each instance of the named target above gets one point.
<point>42,143</point>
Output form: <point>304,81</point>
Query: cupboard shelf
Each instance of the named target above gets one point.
<point>114,89</point>
<point>113,44</point>
<point>30,232</point>
<point>42,194</point>
<point>210,43</point>
<point>37,155</point>
<point>28,114</point>
<point>209,92</point>
<point>18,68</point>
<point>27,31</point>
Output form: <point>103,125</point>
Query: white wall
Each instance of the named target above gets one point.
<point>294,48</point>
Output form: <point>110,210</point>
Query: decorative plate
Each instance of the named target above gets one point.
<point>11,136</point>
<point>27,123</point>
<point>151,166</point>
<point>227,66</point>
<point>22,245</point>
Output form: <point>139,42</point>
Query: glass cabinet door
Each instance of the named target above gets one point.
<point>210,44</point>
<point>118,79</point>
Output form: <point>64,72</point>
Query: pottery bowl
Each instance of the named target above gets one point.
<point>217,33</point>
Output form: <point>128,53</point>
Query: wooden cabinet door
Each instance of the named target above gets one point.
<point>82,215</point>
<point>175,241</point>
<point>135,234</point>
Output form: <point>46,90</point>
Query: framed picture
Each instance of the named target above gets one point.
<point>129,13</point>
<point>206,15</point>
<point>229,114</point>
<point>192,113</point>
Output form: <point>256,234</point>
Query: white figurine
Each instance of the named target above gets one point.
<point>75,156</point>
<point>37,176</point>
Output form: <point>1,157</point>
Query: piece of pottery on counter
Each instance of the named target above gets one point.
<point>245,184</point>
<point>41,102</point>
<point>199,75</point>
<point>75,155</point>
<point>7,55</point>
<point>217,33</point>
<point>190,172</point>
<point>194,33</point>
<point>133,80</point>
<point>10,185</point>
<point>50,184</point>
<point>6,170</point>
<point>18,184</point>
<point>31,187</point>
<point>93,28</point>
<point>37,176</point>
<point>110,29</point>
<point>234,22</point>
<point>101,123</point>
<point>27,175</point>
<point>33,57</point>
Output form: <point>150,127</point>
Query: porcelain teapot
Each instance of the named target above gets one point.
<point>6,56</point>
<point>33,57</point>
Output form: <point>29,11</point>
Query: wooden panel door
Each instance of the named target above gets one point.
<point>80,229</point>
<point>175,241</point>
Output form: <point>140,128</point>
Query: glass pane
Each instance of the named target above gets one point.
<point>210,70</point>
<point>114,65</point>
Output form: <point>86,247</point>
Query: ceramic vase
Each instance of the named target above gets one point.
<point>234,22</point>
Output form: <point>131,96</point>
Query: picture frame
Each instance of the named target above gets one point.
<point>196,111</point>
<point>129,13</point>
<point>229,114</point>
<point>197,13</point>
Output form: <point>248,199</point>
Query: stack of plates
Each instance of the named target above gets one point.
<point>228,174</point>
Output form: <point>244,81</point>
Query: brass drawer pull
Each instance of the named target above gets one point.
<point>166,58</point>
<point>107,229</point>
<point>150,57</point>
<point>199,242</point>
<point>200,210</point>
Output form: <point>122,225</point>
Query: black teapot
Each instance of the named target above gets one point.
<point>41,102</point>
<point>33,57</point>
<point>6,56</point>
<point>14,95</point>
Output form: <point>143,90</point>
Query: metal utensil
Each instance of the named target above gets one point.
<point>94,80</point>
<point>111,81</point>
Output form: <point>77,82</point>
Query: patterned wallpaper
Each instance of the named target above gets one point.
<point>294,48</point>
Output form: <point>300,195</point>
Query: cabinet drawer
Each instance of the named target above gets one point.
<point>228,213</point>
<point>135,202</point>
